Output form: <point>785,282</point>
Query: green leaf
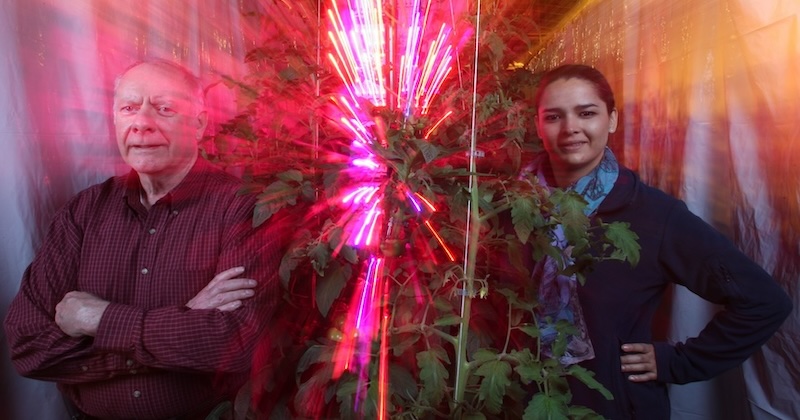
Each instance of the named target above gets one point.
<point>289,262</point>
<point>320,256</point>
<point>292,175</point>
<point>484,355</point>
<point>528,374</point>
<point>443,305</point>
<point>433,375</point>
<point>543,406</point>
<point>402,382</point>
<point>330,286</point>
<point>587,377</point>
<point>428,149</point>
<point>531,330</point>
<point>403,342</point>
<point>262,212</point>
<point>446,320</point>
<point>496,378</point>
<point>310,393</point>
<point>349,253</point>
<point>570,208</point>
<point>315,354</point>
<point>273,198</point>
<point>522,217</point>
<point>624,240</point>
<point>346,389</point>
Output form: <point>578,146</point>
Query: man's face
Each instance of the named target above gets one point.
<point>157,119</point>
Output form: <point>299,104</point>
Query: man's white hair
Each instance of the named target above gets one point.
<point>193,82</point>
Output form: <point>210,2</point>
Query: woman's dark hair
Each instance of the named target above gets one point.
<point>577,71</point>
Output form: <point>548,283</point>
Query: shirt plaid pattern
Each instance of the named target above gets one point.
<point>152,356</point>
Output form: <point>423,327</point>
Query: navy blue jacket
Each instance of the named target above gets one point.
<point>619,301</point>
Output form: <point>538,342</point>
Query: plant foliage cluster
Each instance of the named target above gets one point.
<point>444,363</point>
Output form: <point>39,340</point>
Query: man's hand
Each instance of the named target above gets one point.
<point>78,314</point>
<point>224,292</point>
<point>639,358</point>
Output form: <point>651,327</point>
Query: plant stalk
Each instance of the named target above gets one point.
<point>473,232</point>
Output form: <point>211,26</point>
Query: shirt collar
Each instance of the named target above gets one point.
<point>183,194</point>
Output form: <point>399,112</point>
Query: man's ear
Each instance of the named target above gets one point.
<point>612,121</point>
<point>201,123</point>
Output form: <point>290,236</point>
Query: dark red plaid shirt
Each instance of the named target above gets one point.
<point>152,356</point>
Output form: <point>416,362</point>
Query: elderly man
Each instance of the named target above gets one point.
<point>150,291</point>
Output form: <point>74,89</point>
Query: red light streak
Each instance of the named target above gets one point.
<point>450,255</point>
<point>438,123</point>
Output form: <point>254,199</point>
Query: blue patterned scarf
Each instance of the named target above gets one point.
<point>558,295</point>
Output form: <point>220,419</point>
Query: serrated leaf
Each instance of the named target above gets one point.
<point>542,406</point>
<point>346,389</point>
<point>624,240</point>
<point>528,374</point>
<point>262,212</point>
<point>522,217</point>
<point>531,330</point>
<point>273,198</point>
<point>330,286</point>
<point>446,320</point>
<point>570,209</point>
<point>428,149</point>
<point>496,378</point>
<point>289,262</point>
<point>250,188</point>
<point>315,354</point>
<point>433,375</point>
<point>484,355</point>
<point>587,377</point>
<point>442,305</point>
<point>349,253</point>
<point>402,383</point>
<point>292,175</point>
<point>320,256</point>
<point>403,342</point>
<point>309,393</point>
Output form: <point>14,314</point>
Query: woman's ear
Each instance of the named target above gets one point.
<point>536,125</point>
<point>612,121</point>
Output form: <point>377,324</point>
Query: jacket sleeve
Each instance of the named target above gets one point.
<point>39,349</point>
<point>697,256</point>
<point>181,339</point>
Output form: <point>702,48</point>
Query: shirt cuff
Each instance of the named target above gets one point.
<point>120,328</point>
<point>664,352</point>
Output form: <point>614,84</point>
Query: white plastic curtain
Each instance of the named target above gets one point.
<point>709,108</point>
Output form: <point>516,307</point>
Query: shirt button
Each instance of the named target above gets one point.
<point>151,231</point>
<point>129,362</point>
<point>174,212</point>
<point>137,394</point>
<point>84,368</point>
<point>145,271</point>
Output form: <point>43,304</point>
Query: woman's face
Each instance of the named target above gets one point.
<point>574,124</point>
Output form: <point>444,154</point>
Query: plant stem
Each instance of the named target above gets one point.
<point>508,332</point>
<point>468,291</point>
<point>474,220</point>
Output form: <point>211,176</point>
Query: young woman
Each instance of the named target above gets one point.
<point>576,114</point>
